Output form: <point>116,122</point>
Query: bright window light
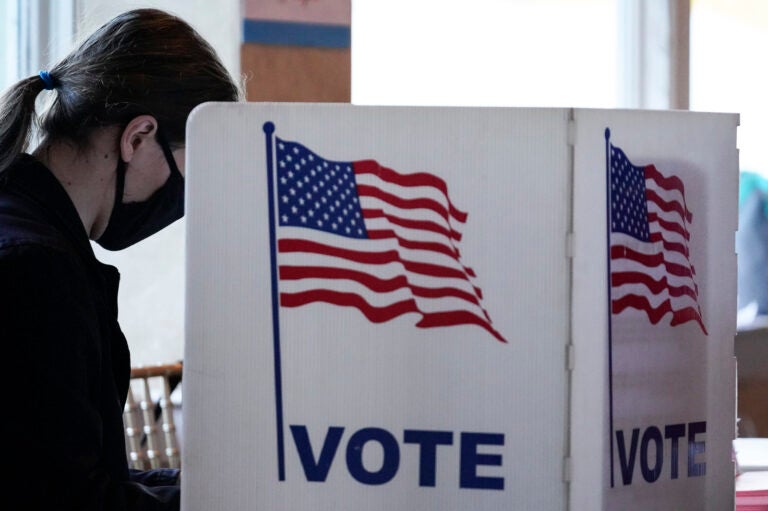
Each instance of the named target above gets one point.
<point>9,44</point>
<point>727,41</point>
<point>485,52</point>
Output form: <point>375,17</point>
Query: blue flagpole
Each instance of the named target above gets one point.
<point>269,130</point>
<point>610,308</point>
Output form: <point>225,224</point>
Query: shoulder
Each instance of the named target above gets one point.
<point>23,226</point>
<point>46,298</point>
<point>24,241</point>
<point>28,266</point>
<point>32,250</point>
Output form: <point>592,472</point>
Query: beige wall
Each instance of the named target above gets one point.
<point>292,73</point>
<point>151,296</point>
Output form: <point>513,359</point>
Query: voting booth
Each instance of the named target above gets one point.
<point>459,308</point>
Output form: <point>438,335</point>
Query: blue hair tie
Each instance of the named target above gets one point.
<point>45,76</point>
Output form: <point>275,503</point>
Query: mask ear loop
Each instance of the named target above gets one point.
<point>119,190</point>
<point>165,146</point>
<point>120,184</point>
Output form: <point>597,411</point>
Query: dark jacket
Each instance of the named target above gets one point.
<point>66,363</point>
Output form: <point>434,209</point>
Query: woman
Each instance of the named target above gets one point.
<point>109,168</point>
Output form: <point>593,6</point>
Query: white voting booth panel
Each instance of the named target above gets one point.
<point>409,308</point>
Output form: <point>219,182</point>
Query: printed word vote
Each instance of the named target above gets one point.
<point>473,453</point>
<point>657,446</point>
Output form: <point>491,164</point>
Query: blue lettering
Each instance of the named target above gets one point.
<point>627,465</point>
<point>316,471</point>
<point>428,442</point>
<point>651,434</point>
<point>471,456</point>
<point>391,461</point>
<point>470,459</point>
<point>694,448</point>
<point>674,432</point>
<point>652,451</point>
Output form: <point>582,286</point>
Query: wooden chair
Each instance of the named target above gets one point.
<point>150,429</point>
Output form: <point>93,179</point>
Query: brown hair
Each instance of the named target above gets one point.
<point>144,61</point>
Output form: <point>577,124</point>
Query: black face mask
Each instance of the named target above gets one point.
<point>132,222</point>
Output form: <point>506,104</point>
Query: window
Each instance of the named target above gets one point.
<point>9,41</point>
<point>486,53</point>
<point>727,43</point>
<point>44,33</point>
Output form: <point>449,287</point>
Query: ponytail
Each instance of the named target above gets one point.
<point>17,116</point>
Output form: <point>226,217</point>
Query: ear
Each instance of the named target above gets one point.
<point>136,134</point>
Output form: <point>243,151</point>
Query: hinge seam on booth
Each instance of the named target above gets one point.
<point>571,132</point>
<point>571,135</point>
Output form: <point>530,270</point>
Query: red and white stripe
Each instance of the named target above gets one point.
<point>411,262</point>
<point>657,277</point>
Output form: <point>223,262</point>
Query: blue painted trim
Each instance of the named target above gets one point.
<point>269,129</point>
<point>610,298</point>
<point>284,33</point>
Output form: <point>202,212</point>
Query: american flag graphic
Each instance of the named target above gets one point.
<point>357,234</point>
<point>651,269</point>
